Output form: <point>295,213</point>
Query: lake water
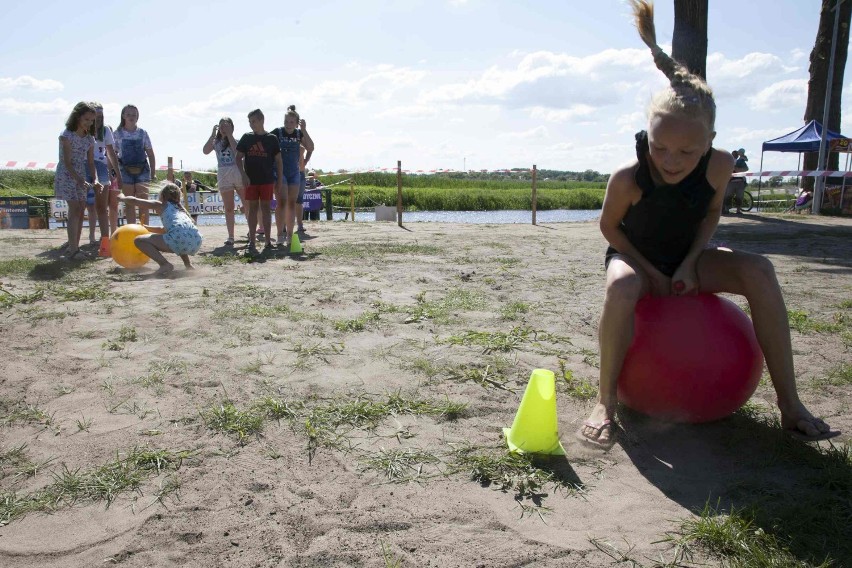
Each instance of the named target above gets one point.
<point>475,217</point>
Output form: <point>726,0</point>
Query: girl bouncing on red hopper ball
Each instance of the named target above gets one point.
<point>658,216</point>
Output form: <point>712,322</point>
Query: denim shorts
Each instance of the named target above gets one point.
<point>130,179</point>
<point>291,178</point>
<point>103,174</point>
<point>300,198</point>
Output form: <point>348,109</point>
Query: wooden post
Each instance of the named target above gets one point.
<point>170,173</point>
<point>534,171</point>
<point>399,192</point>
<point>352,198</point>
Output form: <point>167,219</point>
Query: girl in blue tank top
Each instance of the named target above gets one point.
<point>291,140</point>
<point>658,216</point>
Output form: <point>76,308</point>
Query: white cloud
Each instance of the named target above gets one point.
<point>732,78</point>
<point>415,112</point>
<point>379,84</point>
<point>562,115</point>
<point>16,106</point>
<point>25,82</point>
<point>630,123</point>
<point>781,95</point>
<point>553,80</point>
<point>537,133</point>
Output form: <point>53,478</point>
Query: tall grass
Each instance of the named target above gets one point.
<point>439,192</point>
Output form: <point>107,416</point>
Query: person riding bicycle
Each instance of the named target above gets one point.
<point>736,187</point>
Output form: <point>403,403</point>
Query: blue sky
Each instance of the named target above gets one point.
<point>436,84</point>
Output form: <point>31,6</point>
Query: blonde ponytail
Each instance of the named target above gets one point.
<point>688,94</point>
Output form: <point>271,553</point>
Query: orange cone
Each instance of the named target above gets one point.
<point>104,250</point>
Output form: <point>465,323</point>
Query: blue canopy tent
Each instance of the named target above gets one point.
<point>806,139</point>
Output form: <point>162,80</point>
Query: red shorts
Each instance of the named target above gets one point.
<point>263,192</point>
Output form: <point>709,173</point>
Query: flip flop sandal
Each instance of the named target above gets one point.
<point>598,426</point>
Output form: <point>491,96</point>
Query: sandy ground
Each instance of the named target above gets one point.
<point>141,364</point>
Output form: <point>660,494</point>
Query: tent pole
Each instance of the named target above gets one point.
<point>760,179</point>
<point>798,169</point>
<point>843,186</point>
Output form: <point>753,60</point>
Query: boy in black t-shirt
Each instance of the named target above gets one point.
<point>257,154</point>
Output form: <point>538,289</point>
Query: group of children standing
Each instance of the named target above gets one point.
<point>262,166</point>
<point>99,167</point>
<point>96,165</point>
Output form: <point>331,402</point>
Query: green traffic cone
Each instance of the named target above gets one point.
<point>535,430</point>
<point>295,244</point>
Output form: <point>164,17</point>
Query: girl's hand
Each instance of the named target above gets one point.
<point>246,181</point>
<point>121,197</point>
<point>302,124</point>
<point>661,285</point>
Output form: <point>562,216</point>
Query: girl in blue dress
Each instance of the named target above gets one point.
<point>178,235</point>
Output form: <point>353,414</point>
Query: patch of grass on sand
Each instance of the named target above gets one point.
<point>763,526</point>
<point>20,412</point>
<point>372,250</point>
<point>325,421</point>
<point>838,376</point>
<point>308,353</point>
<point>228,419</point>
<point>15,463</point>
<point>423,365</point>
<point>492,341</point>
<point>578,389</point>
<point>736,539</point>
<point>252,310</point>
<point>802,322</point>
<point>81,293</point>
<point>9,299</point>
<point>159,371</point>
<point>17,266</point>
<point>358,324</point>
<point>390,559</point>
<point>526,475</point>
<point>440,310</point>
<point>399,465</point>
<point>127,334</point>
<point>488,375</point>
<point>103,483</point>
<point>35,315</point>
<point>513,311</point>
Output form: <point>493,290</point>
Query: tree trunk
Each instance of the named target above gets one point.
<point>817,83</point>
<point>689,40</point>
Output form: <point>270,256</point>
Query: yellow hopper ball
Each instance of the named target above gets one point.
<point>124,250</point>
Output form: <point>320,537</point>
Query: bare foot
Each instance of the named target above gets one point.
<point>164,269</point>
<point>797,421</point>
<point>188,266</point>
<point>599,429</point>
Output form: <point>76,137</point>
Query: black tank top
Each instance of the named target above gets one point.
<point>663,224</point>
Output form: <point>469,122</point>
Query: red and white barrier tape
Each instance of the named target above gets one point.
<point>793,173</point>
<point>18,165</point>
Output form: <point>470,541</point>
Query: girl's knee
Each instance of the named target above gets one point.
<point>624,287</point>
<point>758,273</point>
